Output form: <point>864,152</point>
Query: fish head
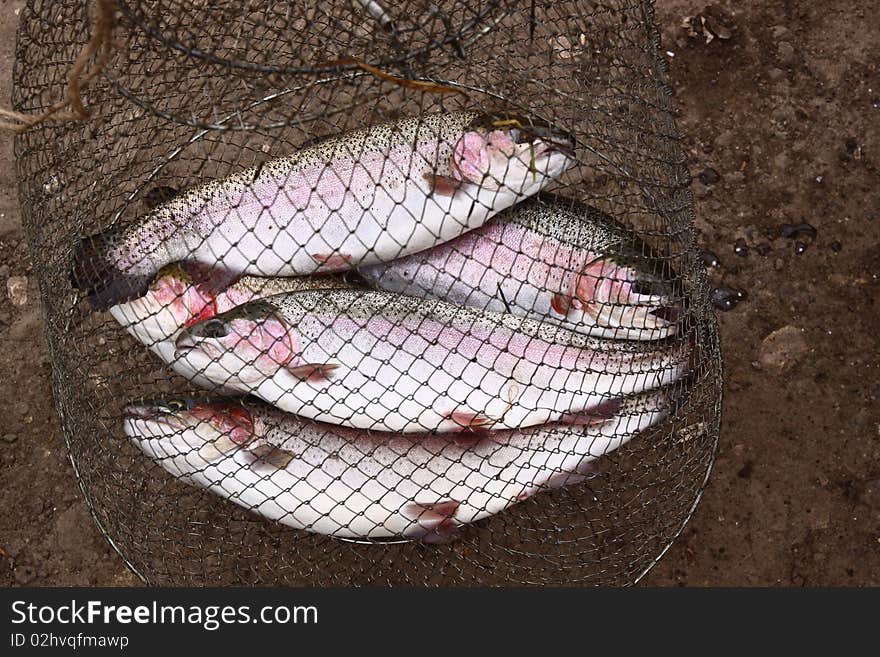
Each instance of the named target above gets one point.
<point>246,344</point>
<point>172,301</point>
<point>500,151</point>
<point>203,429</point>
<point>634,299</point>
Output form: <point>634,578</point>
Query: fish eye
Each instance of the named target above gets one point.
<point>175,405</point>
<point>213,328</point>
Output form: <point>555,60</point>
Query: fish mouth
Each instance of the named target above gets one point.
<point>669,314</point>
<point>661,293</point>
<point>565,145</point>
<point>555,141</point>
<point>155,415</point>
<point>650,286</point>
<point>526,131</point>
<point>184,345</point>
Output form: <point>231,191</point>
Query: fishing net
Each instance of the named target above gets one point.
<point>195,92</point>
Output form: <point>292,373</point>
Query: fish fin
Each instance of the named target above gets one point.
<point>607,409</point>
<point>269,456</point>
<point>333,260</point>
<point>442,185</point>
<point>432,522</point>
<point>599,414</point>
<point>563,479</point>
<point>526,493</point>
<point>591,309</point>
<point>94,272</point>
<point>313,371</point>
<point>468,421</point>
<point>159,195</point>
<point>467,439</point>
<point>579,474</point>
<point>560,304</point>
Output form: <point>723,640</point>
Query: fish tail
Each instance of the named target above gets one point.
<point>96,271</point>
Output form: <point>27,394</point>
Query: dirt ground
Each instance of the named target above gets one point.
<point>783,119</point>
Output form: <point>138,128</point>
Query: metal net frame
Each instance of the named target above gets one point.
<point>208,97</point>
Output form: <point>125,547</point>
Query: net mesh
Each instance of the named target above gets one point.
<point>461,434</point>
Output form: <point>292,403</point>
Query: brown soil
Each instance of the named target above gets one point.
<point>787,112</point>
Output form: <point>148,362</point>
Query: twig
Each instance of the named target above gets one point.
<point>418,85</point>
<point>100,43</point>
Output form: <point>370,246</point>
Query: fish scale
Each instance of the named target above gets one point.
<point>178,296</point>
<point>364,485</point>
<point>364,197</point>
<point>547,258</point>
<point>403,364</point>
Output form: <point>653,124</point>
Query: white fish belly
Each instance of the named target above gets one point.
<point>392,379</point>
<point>352,213</point>
<point>357,489</point>
<point>503,268</point>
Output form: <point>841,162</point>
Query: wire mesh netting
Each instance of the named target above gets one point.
<point>350,293</point>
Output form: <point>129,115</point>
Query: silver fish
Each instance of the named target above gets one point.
<point>363,197</point>
<point>184,294</point>
<point>551,259</point>
<point>364,485</point>
<point>386,362</point>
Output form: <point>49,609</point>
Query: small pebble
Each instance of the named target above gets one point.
<point>709,259</point>
<point>778,264</point>
<point>783,348</point>
<point>785,52</point>
<point>709,176</point>
<point>794,231</point>
<point>779,31</point>
<point>52,185</point>
<point>836,246</point>
<point>24,575</point>
<point>721,31</point>
<point>726,298</point>
<point>16,288</point>
<point>740,248</point>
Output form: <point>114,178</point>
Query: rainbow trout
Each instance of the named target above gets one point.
<point>386,362</point>
<point>184,294</point>
<point>357,484</point>
<point>360,198</point>
<point>550,259</point>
